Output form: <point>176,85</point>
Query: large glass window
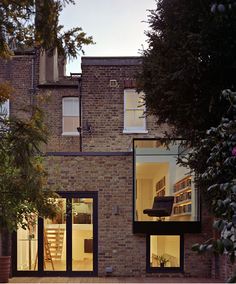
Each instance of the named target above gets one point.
<point>165,252</point>
<point>71,116</point>
<point>134,108</point>
<point>164,190</point>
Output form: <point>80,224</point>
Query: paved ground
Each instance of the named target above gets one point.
<point>111,280</point>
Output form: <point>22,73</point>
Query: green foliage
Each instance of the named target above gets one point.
<point>30,23</point>
<point>214,162</point>
<point>23,180</point>
<point>5,91</point>
<point>189,61</point>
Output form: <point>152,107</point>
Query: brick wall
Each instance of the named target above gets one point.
<point>112,178</point>
<point>102,109</point>
<point>52,107</point>
<point>118,247</point>
<point>18,71</point>
<point>222,268</point>
<point>103,106</point>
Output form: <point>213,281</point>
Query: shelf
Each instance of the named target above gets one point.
<point>182,185</point>
<point>182,214</point>
<point>186,189</point>
<point>157,191</point>
<point>161,192</point>
<point>184,202</point>
<point>182,179</point>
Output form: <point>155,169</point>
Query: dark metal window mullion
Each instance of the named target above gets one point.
<point>69,234</point>
<point>40,245</point>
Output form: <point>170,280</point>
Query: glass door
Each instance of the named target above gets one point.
<point>82,234</point>
<point>54,239</point>
<point>63,246</point>
<point>27,246</point>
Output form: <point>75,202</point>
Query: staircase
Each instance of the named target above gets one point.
<point>53,244</point>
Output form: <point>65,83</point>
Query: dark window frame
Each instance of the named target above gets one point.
<point>151,269</point>
<point>68,272</point>
<point>170,227</point>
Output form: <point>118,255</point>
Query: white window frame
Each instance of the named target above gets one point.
<point>77,133</point>
<point>6,104</point>
<point>128,130</point>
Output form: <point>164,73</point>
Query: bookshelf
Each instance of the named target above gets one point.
<point>160,187</point>
<point>183,197</point>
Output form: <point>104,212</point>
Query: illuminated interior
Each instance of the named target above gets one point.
<point>82,234</point>
<point>55,239</point>
<point>157,174</point>
<point>165,251</point>
<point>27,246</point>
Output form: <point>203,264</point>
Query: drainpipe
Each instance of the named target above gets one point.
<point>33,77</point>
<point>80,110</point>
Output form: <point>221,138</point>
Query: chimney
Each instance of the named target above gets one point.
<point>52,66</point>
<point>42,67</point>
<point>61,66</point>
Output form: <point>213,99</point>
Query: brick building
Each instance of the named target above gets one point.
<point>105,159</point>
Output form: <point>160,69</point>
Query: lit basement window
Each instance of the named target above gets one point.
<point>165,252</point>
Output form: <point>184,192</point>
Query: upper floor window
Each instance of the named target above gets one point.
<point>164,190</point>
<point>134,108</point>
<point>5,109</point>
<point>70,116</point>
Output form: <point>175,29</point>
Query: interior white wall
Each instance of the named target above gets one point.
<point>167,246</point>
<point>144,198</point>
<point>23,249</point>
<point>80,232</point>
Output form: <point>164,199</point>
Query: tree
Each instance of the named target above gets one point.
<point>214,161</point>
<point>189,61</point>
<point>28,23</point>
<point>23,180</point>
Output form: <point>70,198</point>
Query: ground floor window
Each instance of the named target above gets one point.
<point>64,245</point>
<point>165,253</point>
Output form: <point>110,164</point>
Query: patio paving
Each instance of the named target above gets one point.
<point>111,280</point>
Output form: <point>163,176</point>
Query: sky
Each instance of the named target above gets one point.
<point>117,26</point>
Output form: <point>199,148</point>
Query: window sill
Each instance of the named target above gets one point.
<point>70,134</point>
<point>134,131</point>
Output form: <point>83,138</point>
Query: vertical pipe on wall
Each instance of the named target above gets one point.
<point>33,76</point>
<point>80,110</point>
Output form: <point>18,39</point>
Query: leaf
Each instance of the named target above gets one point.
<point>195,247</point>
<point>219,247</point>
<point>228,244</point>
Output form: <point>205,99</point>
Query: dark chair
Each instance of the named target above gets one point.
<point>162,207</point>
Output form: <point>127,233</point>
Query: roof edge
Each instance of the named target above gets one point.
<point>111,60</point>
